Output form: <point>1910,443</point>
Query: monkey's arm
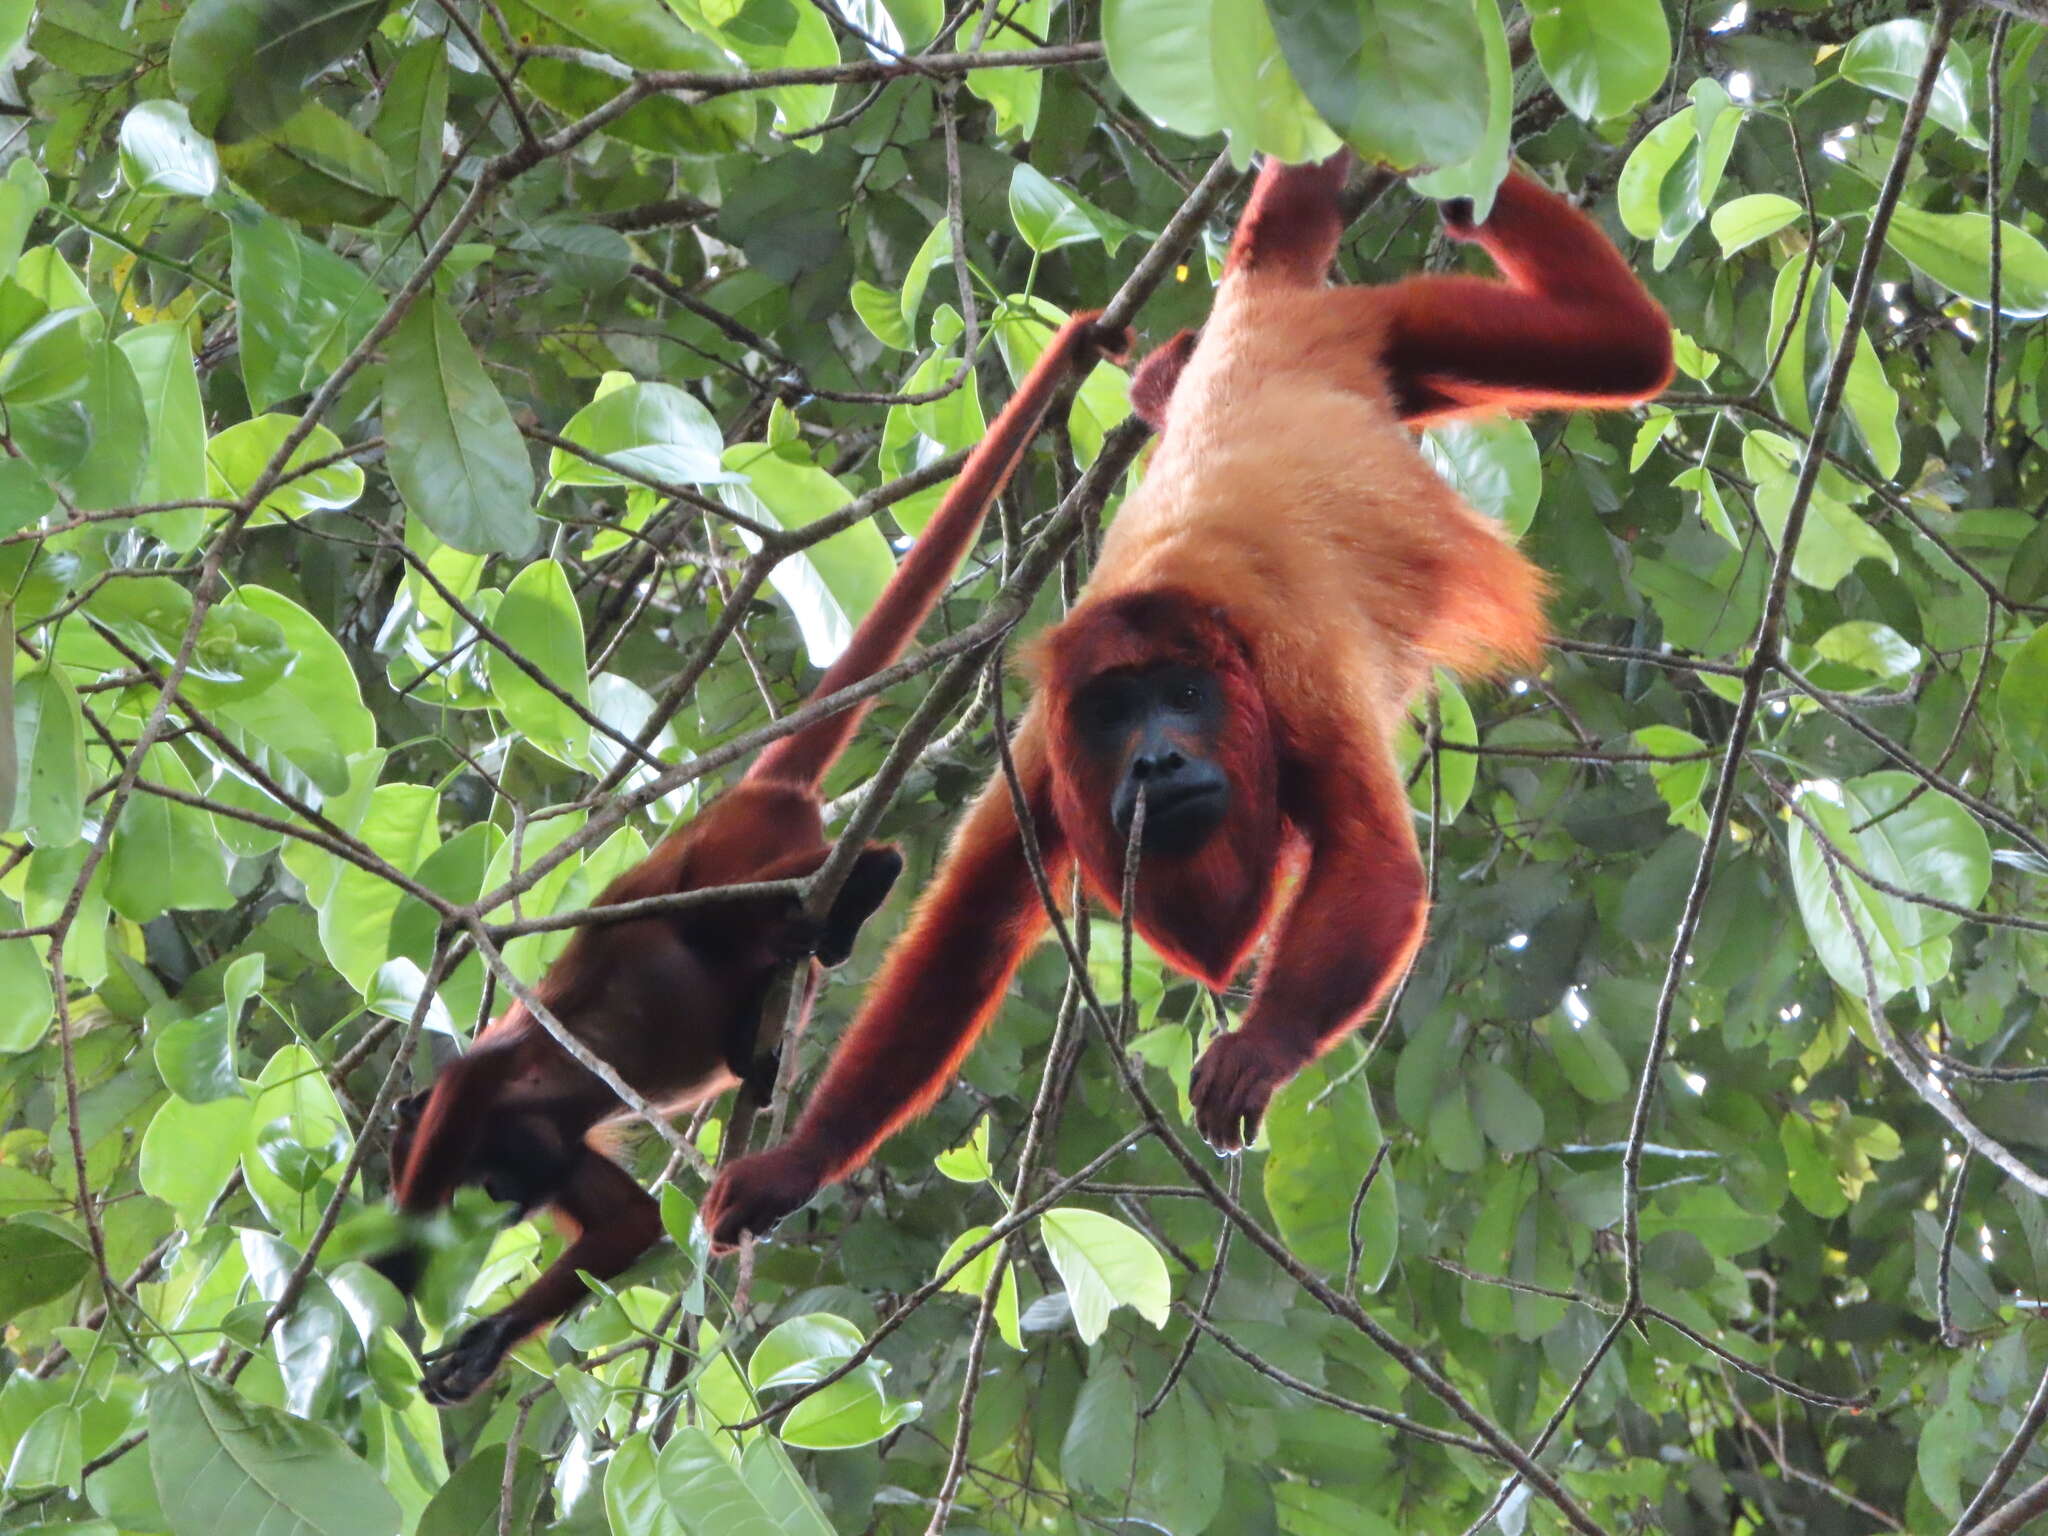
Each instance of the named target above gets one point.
<point>1354,925</point>
<point>939,987</point>
<point>1568,324</point>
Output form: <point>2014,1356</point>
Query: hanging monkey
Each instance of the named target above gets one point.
<point>672,1002</point>
<point>1267,605</point>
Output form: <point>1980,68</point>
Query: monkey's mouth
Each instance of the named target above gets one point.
<point>1179,817</point>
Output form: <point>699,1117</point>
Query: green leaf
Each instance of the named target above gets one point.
<point>1511,1118</point>
<point>314,719</point>
<point>1602,56</point>
<point>239,653</point>
<point>1479,176</point>
<point>468,1503</point>
<point>242,65</point>
<point>26,1003</point>
<point>1834,538</point>
<point>49,741</point>
<point>51,359</point>
<point>238,455</point>
<point>2021,698</point>
<point>882,313</point>
<point>161,356</point>
<point>1888,59</point>
<point>831,585</point>
<point>633,1499</point>
<point>315,166</point>
<point>1588,1059</point>
<point>656,430</point>
<point>223,1463</point>
<point>1161,54</point>
<point>1932,846</point>
<point>1262,105</point>
<point>968,1163</point>
<point>1014,93</point>
<point>456,457</point>
<point>706,1493</point>
<point>1493,465</point>
<point>849,1413</point>
<point>640,34</point>
<point>1323,1135</point>
<point>196,1057</point>
<point>1101,1441</point>
<point>1870,647</point>
<point>85,39</point>
<point>538,619</point>
<point>1743,221</point>
<point>41,1258</point>
<point>802,1350</point>
<point>1047,215</point>
<point>1104,1265</point>
<point>165,856</point>
<point>161,152</point>
<point>301,308</point>
<point>1809,1169</point>
<point>1954,250</point>
<point>1392,76</point>
<point>294,1113</point>
<point>23,193</point>
<point>798,37</point>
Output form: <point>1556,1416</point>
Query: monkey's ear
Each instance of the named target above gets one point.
<point>867,887</point>
<point>1153,384</point>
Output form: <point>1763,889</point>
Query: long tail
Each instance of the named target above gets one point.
<point>921,577</point>
<point>1290,228</point>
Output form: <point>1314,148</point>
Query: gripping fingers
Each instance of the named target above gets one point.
<point>458,1373</point>
<point>1231,1087</point>
<point>757,1192</point>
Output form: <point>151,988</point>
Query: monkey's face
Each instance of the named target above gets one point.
<point>1158,732</point>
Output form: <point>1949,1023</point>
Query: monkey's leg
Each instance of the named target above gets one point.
<point>617,1221</point>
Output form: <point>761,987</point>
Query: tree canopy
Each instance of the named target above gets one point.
<point>439,441</point>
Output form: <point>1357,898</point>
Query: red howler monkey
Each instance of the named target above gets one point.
<point>1267,605</point>
<point>672,1002</point>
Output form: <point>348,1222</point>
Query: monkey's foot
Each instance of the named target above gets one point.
<point>456,1374</point>
<point>1231,1086</point>
<point>756,1192</point>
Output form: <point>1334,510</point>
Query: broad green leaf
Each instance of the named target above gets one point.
<point>1161,54</point>
<point>1262,105</point>
<point>937,247</point>
<point>640,34</point>
<point>456,457</point>
<point>1105,1265</point>
<point>1380,73</point>
<point>2021,699</point>
<point>23,193</point>
<point>801,1350</point>
<point>315,166</point>
<point>1954,250</point>
<point>298,1122</point>
<point>242,65</point>
<point>1511,1118</point>
<point>786,37</point>
<point>538,619</point>
<point>1046,214</point>
<point>1932,846</point>
<point>239,653</point>
<point>1323,1134</point>
<point>776,1482</point>
<point>401,826</point>
<point>1870,647</point>
<point>1743,221</point>
<point>656,430</point>
<point>1479,176</point>
<point>49,741</point>
<point>1101,1440</point>
<point>468,1503</point>
<point>237,456</point>
<point>113,472</point>
<point>1809,1169</point>
<point>1494,465</point>
<point>1835,536</point>
<point>41,1257</point>
<point>1014,93</point>
<point>968,1163</point>
<point>1588,1059</point>
<point>314,719</point>
<point>26,1003</point>
<point>1602,56</point>
<point>882,313</point>
<point>190,1151</point>
<point>223,1463</point>
<point>1103,399</point>
<point>1459,771</point>
<point>50,1454</point>
<point>301,308</point>
<point>165,857</point>
<point>851,1412</point>
<point>633,1500</point>
<point>1889,57</point>
<point>410,114</point>
<point>162,153</point>
<point>196,1056</point>
<point>831,585</point>
<point>705,1492</point>
<point>51,359</point>
<point>161,356</point>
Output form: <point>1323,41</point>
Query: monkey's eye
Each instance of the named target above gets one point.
<point>1184,696</point>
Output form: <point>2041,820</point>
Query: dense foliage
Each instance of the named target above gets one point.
<point>438,440</point>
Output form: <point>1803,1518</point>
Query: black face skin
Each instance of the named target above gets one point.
<point>1162,725</point>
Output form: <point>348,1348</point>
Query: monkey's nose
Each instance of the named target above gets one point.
<point>1154,765</point>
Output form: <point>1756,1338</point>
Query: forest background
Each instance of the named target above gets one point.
<point>438,440</point>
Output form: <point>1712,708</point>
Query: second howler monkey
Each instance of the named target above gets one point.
<point>672,1002</point>
<point>1267,605</point>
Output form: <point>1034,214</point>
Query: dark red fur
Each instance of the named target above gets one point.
<point>672,1002</point>
<point>1290,545</point>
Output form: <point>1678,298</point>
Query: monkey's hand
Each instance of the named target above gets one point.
<point>1457,216</point>
<point>756,1192</point>
<point>1232,1083</point>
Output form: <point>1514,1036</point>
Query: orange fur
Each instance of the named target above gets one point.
<point>672,1002</point>
<point>1290,542</point>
